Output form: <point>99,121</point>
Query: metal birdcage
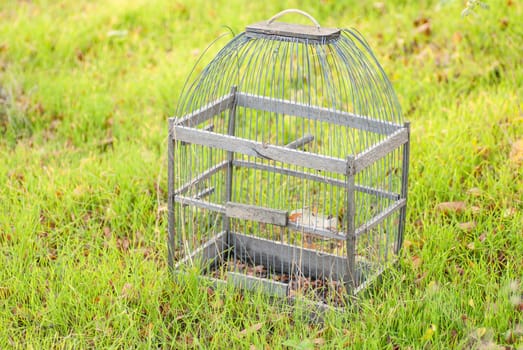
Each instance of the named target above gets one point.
<point>288,164</point>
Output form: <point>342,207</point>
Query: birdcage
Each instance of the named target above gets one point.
<point>288,164</point>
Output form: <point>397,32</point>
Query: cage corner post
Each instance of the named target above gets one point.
<point>170,199</point>
<point>230,170</point>
<point>351,280</point>
<point>404,188</point>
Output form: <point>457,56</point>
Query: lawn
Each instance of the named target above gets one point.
<point>86,88</point>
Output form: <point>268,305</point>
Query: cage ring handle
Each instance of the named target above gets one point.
<point>284,12</point>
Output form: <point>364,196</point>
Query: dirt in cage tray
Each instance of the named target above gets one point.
<point>322,290</point>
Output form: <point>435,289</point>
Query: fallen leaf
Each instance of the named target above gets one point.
<point>451,207</point>
<point>503,22</point>
<point>509,212</point>
<point>294,216</point>
<point>420,278</point>
<point>482,237</point>
<point>420,20</point>
<point>416,261</point>
<point>483,152</point>
<point>515,300</point>
<point>475,209</point>
<point>467,226</point>
<point>380,7</point>
<point>123,243</point>
<point>516,153</point>
<point>424,28</point>
<point>254,328</point>
<point>471,246</point>
<point>107,232</point>
<point>127,290</point>
<point>319,341</point>
<point>433,287</point>
<point>457,37</point>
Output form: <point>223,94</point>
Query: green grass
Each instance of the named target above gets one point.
<point>83,179</point>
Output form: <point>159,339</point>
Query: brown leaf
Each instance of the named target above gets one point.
<point>379,6</point>
<point>319,341</point>
<point>503,22</point>
<point>53,254</point>
<point>516,153</point>
<point>451,207</point>
<point>467,226</point>
<point>107,232</point>
<point>123,243</point>
<point>420,278</point>
<point>475,209</point>
<point>420,20</point>
<point>416,261</point>
<point>483,237</point>
<point>127,290</point>
<point>483,152</point>
<point>294,217</point>
<point>254,328</point>
<point>425,29</point>
<point>259,268</point>
<point>509,212</point>
<point>457,37</point>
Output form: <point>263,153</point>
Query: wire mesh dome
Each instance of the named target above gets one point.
<point>288,163</point>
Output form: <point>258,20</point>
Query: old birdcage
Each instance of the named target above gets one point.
<point>288,164</point>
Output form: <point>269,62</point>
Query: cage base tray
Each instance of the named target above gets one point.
<point>302,268</point>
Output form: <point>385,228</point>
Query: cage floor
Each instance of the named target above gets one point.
<point>320,290</point>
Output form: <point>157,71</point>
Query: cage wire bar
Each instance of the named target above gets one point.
<point>288,164</point>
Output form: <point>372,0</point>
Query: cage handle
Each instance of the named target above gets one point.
<point>284,12</point>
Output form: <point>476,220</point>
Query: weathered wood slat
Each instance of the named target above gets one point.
<point>289,259</point>
<point>380,150</point>
<point>258,149</point>
<point>265,285</point>
<point>295,31</point>
<point>369,225</point>
<point>206,112</point>
<point>209,127</point>
<point>201,177</point>
<point>316,113</point>
<point>199,203</point>
<point>256,213</point>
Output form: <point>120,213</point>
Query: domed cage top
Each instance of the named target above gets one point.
<point>288,164</point>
